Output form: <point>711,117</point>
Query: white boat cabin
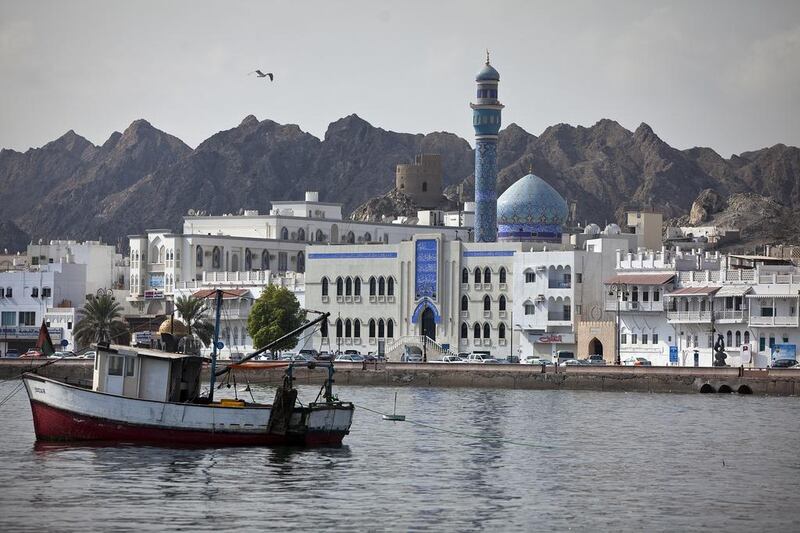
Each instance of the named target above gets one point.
<point>147,374</point>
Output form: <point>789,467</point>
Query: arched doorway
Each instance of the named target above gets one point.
<point>428,324</point>
<point>595,347</point>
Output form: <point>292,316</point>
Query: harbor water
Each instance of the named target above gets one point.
<point>465,460</point>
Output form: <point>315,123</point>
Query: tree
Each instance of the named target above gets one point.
<point>100,321</point>
<point>273,315</point>
<point>193,312</point>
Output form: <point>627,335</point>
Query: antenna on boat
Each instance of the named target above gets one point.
<point>394,416</point>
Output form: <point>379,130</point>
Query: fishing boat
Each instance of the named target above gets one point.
<point>140,395</point>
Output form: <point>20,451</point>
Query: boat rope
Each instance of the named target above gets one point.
<point>492,438</point>
<point>33,369</point>
<point>11,394</point>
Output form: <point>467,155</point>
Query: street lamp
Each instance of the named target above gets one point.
<point>618,290</point>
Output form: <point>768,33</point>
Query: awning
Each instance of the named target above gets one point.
<point>733,290</point>
<point>227,294</point>
<point>642,279</point>
<point>768,296</point>
<point>694,291</point>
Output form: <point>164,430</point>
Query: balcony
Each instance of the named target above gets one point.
<point>729,315</point>
<point>773,321</point>
<point>553,284</point>
<point>689,316</point>
<point>611,305</point>
<point>559,318</point>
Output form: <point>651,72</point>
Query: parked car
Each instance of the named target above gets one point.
<point>350,357</point>
<point>596,359</point>
<point>31,354</point>
<point>369,358</point>
<point>513,359</point>
<point>324,356</point>
<point>295,357</point>
<point>534,360</point>
<point>637,361</point>
<point>570,362</point>
<point>352,352</point>
<point>452,359</point>
<point>786,363</point>
<point>411,354</point>
<point>12,352</point>
<point>310,352</point>
<point>477,357</point>
<point>91,354</point>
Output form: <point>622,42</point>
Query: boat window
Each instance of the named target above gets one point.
<point>115,365</point>
<point>130,366</point>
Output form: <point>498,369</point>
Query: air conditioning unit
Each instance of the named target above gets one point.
<point>540,298</point>
<point>541,268</point>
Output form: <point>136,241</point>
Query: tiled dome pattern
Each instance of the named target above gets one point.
<point>531,200</point>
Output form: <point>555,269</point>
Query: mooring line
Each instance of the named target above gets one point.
<point>462,433</point>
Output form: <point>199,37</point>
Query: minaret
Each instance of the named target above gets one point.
<point>486,121</point>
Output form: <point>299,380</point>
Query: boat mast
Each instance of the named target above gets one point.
<point>218,310</point>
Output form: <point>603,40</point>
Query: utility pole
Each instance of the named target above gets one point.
<point>218,310</point>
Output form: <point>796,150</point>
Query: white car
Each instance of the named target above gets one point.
<point>452,359</point>
<point>570,362</point>
<point>481,358</point>
<point>349,357</point>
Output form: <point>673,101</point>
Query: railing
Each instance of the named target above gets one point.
<point>729,314</point>
<point>558,316</point>
<point>773,321</point>
<point>689,316</point>
<point>611,305</point>
<point>551,284</point>
<point>431,348</point>
<point>778,278</point>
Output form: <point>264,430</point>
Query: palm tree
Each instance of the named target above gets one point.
<point>193,312</point>
<point>100,321</point>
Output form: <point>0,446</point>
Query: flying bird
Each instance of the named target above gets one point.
<point>262,74</point>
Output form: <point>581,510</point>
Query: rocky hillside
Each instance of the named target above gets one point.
<point>145,178</point>
<point>394,204</point>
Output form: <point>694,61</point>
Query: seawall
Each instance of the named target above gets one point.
<point>776,382</point>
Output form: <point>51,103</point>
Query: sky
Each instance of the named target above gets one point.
<point>722,74</point>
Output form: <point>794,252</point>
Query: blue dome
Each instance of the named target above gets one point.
<point>531,210</point>
<point>487,73</point>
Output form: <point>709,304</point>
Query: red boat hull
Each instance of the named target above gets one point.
<point>54,424</point>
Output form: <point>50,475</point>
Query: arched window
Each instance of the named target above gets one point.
<point>747,337</point>
<point>371,328</point>
<point>729,338</point>
<point>248,260</point>
<point>348,328</point>
<point>357,328</point>
<point>501,331</point>
<point>348,286</point>
<point>464,275</point>
<point>487,303</point>
<point>199,257</point>
<point>372,291</point>
<point>477,275</point>
<point>357,287</point>
<point>464,330</point>
<point>501,304</point>
<point>324,286</point>
<point>464,303</point>
<point>284,234</point>
<point>216,257</point>
<point>320,236</point>
<point>301,261</point>
<point>487,275</point>
<point>301,234</point>
<point>351,237</point>
<point>476,331</point>
<point>339,287</point>
<point>265,260</point>
<point>390,286</point>
<point>502,275</point>
<point>339,327</point>
<point>738,338</point>
<point>323,329</point>
<point>367,237</point>
<point>381,286</point>
<point>380,328</point>
<point>487,331</point>
<point>390,328</point>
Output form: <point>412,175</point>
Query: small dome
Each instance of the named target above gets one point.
<point>591,229</point>
<point>178,329</point>
<point>612,229</point>
<point>531,209</point>
<point>487,73</point>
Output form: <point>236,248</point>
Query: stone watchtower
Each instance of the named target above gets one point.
<point>486,121</point>
<point>421,180</point>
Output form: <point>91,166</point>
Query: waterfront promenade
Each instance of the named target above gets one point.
<point>775,382</point>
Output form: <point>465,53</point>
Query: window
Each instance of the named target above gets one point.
<point>265,260</point>
<point>477,276</point>
<point>367,237</point>
<point>9,292</point>
<point>502,275</point>
<point>476,331</point>
<point>351,237</point>
<point>323,329</point>
<point>35,292</point>
<point>464,330</point>
<point>199,256</point>
<point>390,286</point>
<point>771,341</point>
<point>530,277</point>
<point>529,309</point>
<point>372,286</point>
<point>766,311</point>
<point>371,328</point>
<point>248,260</point>
<point>301,262</point>
<point>357,328</point>
<point>324,286</point>
<point>487,303</point>
<point>7,318</point>
<point>634,338</point>
<point>348,286</point>
<point>424,186</point>
<point>47,292</point>
<point>464,303</point>
<point>390,328</point>
<point>729,338</point>
<point>655,338</point>
<point>380,328</point>
<point>339,329</point>
<point>747,337</point>
<point>501,304</point>
<point>644,338</point>
<point>623,338</point>
<point>487,275</point>
<point>785,339</point>
<point>115,363</point>
<point>130,366</point>
<point>578,277</point>
<point>645,296</point>
<point>283,261</point>
<point>27,318</point>
<point>301,234</point>
<point>762,344</point>
<point>501,331</point>
<point>216,257</point>
<point>635,295</point>
<point>381,286</point>
<point>738,338</point>
<point>284,234</point>
<point>656,295</point>
<point>487,331</point>
<point>464,275</point>
<point>339,289</point>
<point>357,287</point>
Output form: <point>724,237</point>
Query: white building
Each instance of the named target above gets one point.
<point>105,268</point>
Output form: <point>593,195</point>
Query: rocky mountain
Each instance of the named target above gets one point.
<point>393,204</point>
<point>144,178</point>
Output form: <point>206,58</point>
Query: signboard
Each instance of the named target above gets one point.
<point>426,264</point>
<point>553,338</point>
<point>157,281</point>
<point>784,351</point>
<point>673,354</point>
<point>153,295</point>
<point>143,338</point>
<point>23,332</point>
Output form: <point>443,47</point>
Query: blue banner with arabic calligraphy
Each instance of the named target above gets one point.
<point>427,268</point>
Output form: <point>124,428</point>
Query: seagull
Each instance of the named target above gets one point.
<point>262,74</point>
